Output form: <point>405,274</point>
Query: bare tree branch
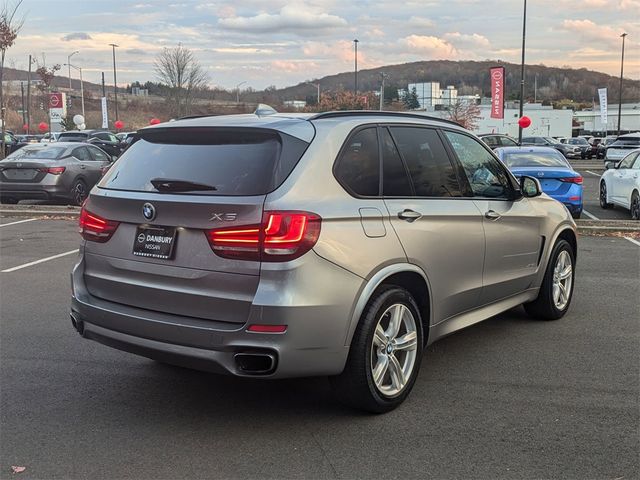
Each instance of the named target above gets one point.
<point>9,28</point>
<point>181,72</point>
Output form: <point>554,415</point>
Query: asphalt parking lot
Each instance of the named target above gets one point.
<point>509,398</point>
<point>591,198</point>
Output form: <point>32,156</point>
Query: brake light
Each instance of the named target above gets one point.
<point>282,236</point>
<point>53,170</point>
<point>577,180</point>
<point>95,228</point>
<point>258,328</point>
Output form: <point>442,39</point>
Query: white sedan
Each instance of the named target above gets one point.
<point>620,185</point>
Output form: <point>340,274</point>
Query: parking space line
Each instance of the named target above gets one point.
<point>13,269</point>
<point>590,215</point>
<point>593,173</point>
<point>632,240</point>
<point>19,221</point>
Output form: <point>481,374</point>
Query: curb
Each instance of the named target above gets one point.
<point>40,213</point>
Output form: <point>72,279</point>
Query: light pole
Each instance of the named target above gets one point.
<point>621,72</point>
<point>524,35</point>
<point>81,86</point>
<point>115,80</point>
<point>355,43</point>
<point>238,91</point>
<point>69,63</point>
<point>383,75</point>
<point>317,85</point>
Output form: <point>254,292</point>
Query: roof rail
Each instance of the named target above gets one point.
<point>204,115</point>
<point>377,113</point>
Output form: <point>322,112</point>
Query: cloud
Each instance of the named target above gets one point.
<point>469,41</point>
<point>433,47</point>
<point>420,22</point>
<point>291,18</point>
<point>76,36</point>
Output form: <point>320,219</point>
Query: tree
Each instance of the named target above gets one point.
<point>9,28</point>
<point>180,71</point>
<point>410,99</point>
<point>344,100</point>
<point>466,114</point>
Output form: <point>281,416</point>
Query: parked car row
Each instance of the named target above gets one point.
<point>52,171</point>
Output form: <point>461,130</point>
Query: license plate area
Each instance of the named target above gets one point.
<point>19,173</point>
<point>155,242</point>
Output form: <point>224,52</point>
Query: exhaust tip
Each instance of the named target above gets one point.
<point>78,325</point>
<point>255,363</point>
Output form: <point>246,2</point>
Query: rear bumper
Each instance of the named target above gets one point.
<point>36,191</point>
<point>314,343</point>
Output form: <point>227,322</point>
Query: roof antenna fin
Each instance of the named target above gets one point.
<point>263,109</point>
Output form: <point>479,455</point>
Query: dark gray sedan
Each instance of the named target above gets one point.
<point>52,171</point>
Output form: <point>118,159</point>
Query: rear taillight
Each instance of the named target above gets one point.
<point>577,180</point>
<point>53,170</point>
<point>95,228</point>
<point>282,236</point>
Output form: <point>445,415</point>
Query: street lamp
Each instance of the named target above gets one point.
<point>115,81</point>
<point>238,91</point>
<point>355,44</point>
<point>81,85</point>
<point>524,34</point>
<point>621,72</point>
<point>317,85</point>
<point>69,63</point>
<point>383,75</point>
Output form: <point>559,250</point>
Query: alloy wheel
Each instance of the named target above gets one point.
<point>603,194</point>
<point>394,348</point>
<point>79,193</point>
<point>635,207</point>
<point>562,280</point>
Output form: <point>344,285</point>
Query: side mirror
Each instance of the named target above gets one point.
<point>530,187</point>
<point>608,165</point>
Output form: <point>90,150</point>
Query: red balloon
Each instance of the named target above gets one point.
<point>524,121</point>
<point>154,121</point>
<point>43,127</point>
<point>25,127</point>
<point>119,124</point>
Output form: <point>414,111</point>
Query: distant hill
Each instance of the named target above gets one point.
<point>471,77</point>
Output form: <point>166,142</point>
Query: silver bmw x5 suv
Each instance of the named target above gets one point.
<point>338,244</point>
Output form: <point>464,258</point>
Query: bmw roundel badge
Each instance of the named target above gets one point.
<point>149,211</point>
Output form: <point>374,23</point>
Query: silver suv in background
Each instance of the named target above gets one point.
<point>337,244</point>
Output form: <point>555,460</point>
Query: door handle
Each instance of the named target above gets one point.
<point>492,215</point>
<point>82,166</point>
<point>409,215</point>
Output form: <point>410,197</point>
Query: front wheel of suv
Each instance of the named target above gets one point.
<point>556,290</point>
<point>385,353</point>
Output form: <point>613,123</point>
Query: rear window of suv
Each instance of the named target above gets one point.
<point>236,162</point>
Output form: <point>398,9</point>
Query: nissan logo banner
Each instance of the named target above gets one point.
<point>497,92</point>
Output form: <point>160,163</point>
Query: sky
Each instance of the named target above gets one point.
<point>282,43</point>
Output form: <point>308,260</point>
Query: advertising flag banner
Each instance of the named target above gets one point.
<point>497,92</point>
<point>602,93</point>
<point>105,114</point>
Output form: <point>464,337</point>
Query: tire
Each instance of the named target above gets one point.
<point>8,200</point>
<point>546,307</point>
<point>635,206</point>
<point>576,215</point>
<point>79,192</point>
<point>369,352</point>
<point>603,196</point>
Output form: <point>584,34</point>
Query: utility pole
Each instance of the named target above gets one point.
<point>620,98</point>
<point>69,68</point>
<point>317,85</point>
<point>115,80</point>
<point>535,89</point>
<point>524,35</point>
<point>383,75</point>
<point>238,91</point>
<point>29,98</point>
<point>355,89</point>
<point>24,118</point>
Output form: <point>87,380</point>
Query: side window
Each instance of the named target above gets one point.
<point>491,141</point>
<point>101,136</point>
<point>82,154</point>
<point>628,161</point>
<point>486,175</point>
<point>395,180</point>
<point>98,155</point>
<point>358,166</point>
<point>507,142</point>
<point>636,164</point>
<point>430,169</point>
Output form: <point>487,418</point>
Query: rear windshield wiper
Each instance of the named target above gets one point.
<point>169,185</point>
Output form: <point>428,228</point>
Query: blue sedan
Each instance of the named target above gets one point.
<point>558,179</point>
